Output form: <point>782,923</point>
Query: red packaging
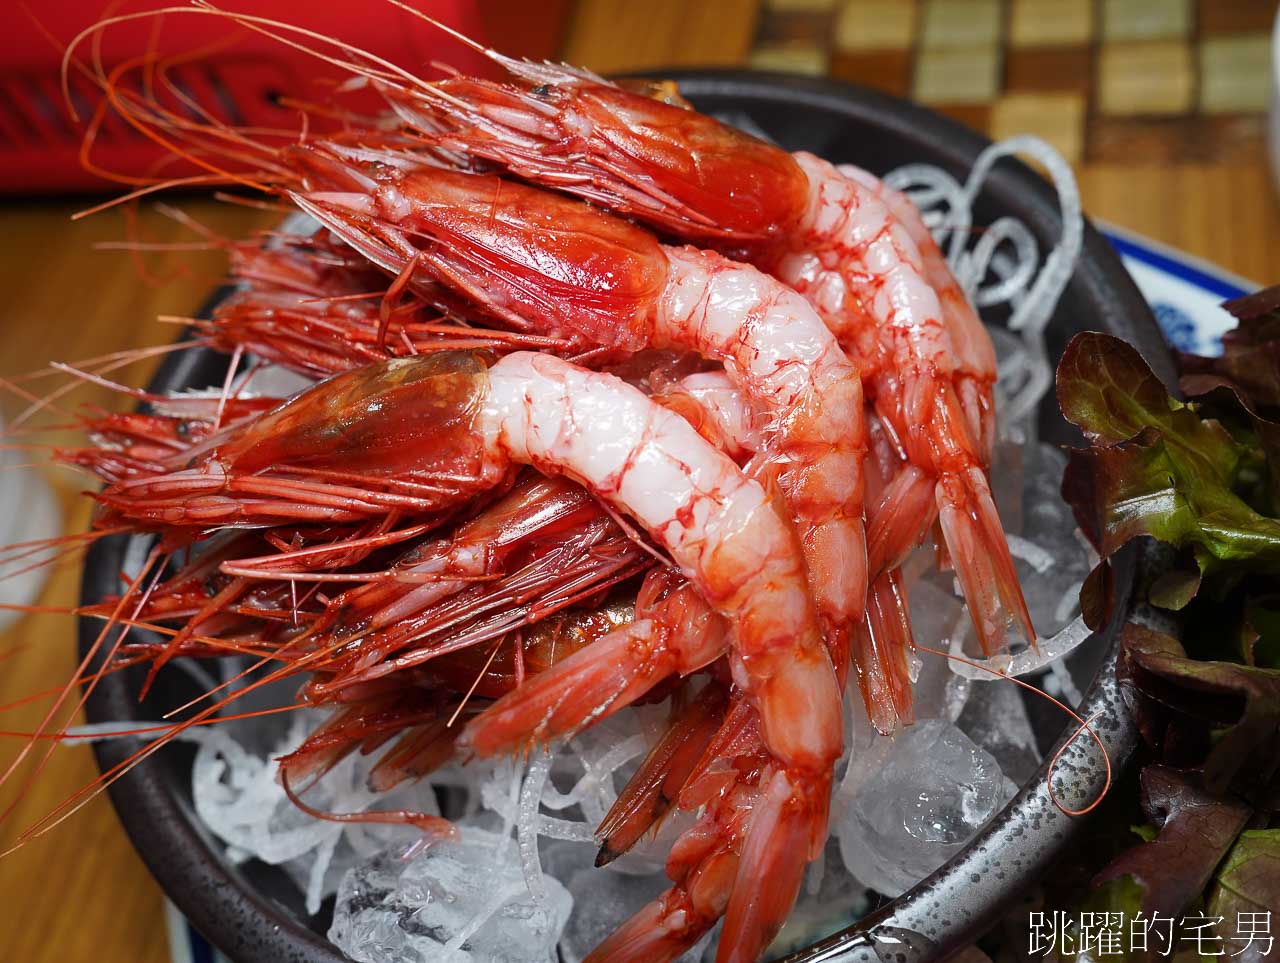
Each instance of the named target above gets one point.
<point>233,73</point>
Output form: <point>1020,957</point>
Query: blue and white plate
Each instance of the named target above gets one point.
<point>1186,295</point>
<point>1184,292</point>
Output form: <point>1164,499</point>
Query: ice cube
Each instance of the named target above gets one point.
<point>238,795</point>
<point>453,902</point>
<point>995,718</point>
<point>935,610</point>
<point>929,794</point>
<point>936,616</point>
<point>345,790</point>
<point>863,755</point>
<point>1007,479</point>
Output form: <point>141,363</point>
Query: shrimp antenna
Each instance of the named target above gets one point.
<point>78,799</point>
<point>545,71</point>
<point>255,23</point>
<point>76,734</point>
<point>261,25</point>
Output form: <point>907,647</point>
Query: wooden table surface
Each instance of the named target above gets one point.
<point>80,892</point>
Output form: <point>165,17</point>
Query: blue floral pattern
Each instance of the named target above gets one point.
<point>1178,327</point>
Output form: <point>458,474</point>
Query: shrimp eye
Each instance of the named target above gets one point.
<point>542,90</point>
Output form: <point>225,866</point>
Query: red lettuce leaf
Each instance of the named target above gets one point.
<point>1145,486</point>
<point>1157,468</point>
<point>1219,716</point>
<point>1260,469</point>
<point>1197,829</point>
<point>1110,393</point>
<point>1248,882</point>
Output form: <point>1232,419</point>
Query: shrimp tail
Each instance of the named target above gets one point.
<point>662,930</point>
<point>788,822</point>
<point>655,787</point>
<point>900,520</point>
<point>881,645</point>
<point>976,543</point>
<point>704,866</point>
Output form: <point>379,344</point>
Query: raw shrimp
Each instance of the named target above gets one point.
<point>473,424</point>
<point>562,269</point>
<point>675,635</point>
<point>975,361</point>
<point>743,835</point>
<point>722,531</point>
<point>713,405</point>
<point>720,527</point>
<point>303,303</point>
<point>419,717</point>
<point>512,256</point>
<point>545,545</point>
<point>567,271</point>
<point>733,777</point>
<point>882,641</point>
<point>340,454</point>
<point>828,235</point>
<point>532,651</point>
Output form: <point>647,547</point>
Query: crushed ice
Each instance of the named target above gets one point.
<point>458,901</point>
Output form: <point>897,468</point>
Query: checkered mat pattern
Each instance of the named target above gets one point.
<point>1127,81</point>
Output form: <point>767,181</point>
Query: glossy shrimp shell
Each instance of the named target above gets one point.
<point>827,234</point>
<point>562,269</point>
<point>473,424</point>
<point>720,528</point>
<point>975,358</point>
